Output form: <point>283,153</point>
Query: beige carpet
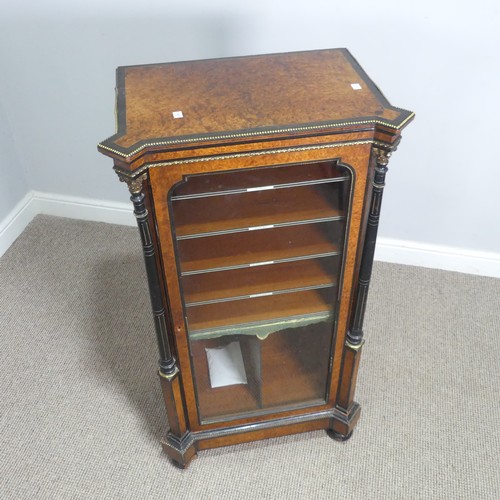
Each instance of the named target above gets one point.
<point>81,412</point>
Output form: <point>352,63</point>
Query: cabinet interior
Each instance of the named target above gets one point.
<point>260,253</point>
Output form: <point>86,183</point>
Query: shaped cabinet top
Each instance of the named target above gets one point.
<point>244,98</point>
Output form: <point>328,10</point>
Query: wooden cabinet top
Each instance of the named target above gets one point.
<point>177,104</point>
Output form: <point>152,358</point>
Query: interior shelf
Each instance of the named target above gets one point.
<point>225,183</point>
<point>262,315</point>
<point>251,249</point>
<point>247,282</point>
<point>255,210</point>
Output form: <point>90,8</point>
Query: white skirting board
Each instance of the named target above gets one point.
<point>35,202</point>
<point>388,250</point>
<point>462,260</point>
<point>16,221</point>
<point>85,208</point>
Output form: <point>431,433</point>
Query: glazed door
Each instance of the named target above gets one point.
<point>260,256</point>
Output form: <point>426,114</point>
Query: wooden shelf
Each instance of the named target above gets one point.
<point>227,182</point>
<point>240,283</point>
<point>256,247</point>
<point>254,210</point>
<point>259,310</point>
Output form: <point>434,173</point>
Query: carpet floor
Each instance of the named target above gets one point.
<point>81,412</point>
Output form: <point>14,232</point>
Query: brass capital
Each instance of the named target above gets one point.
<point>134,183</point>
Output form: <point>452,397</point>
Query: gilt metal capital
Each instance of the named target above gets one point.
<point>134,183</point>
<point>383,155</point>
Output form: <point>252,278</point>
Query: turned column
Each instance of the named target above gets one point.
<point>347,410</point>
<point>178,442</point>
<point>167,366</point>
<point>355,333</point>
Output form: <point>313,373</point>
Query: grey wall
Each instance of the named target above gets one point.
<point>13,184</point>
<point>439,59</point>
<point>59,96</point>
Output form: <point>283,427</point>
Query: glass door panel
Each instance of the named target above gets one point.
<point>260,254</point>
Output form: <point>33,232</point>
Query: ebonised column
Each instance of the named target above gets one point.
<point>347,411</point>
<point>355,333</point>
<point>167,365</point>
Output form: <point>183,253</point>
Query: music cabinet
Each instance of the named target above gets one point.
<point>257,184</point>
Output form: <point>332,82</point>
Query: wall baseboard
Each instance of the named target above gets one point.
<point>84,208</point>
<point>16,221</point>
<point>461,260</point>
<point>35,202</point>
<point>388,250</point>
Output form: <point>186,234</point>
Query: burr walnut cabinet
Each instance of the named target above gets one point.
<point>257,184</point>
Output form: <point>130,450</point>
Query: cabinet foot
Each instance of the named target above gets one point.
<point>337,436</point>
<point>343,422</point>
<point>182,465</point>
<point>181,451</point>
